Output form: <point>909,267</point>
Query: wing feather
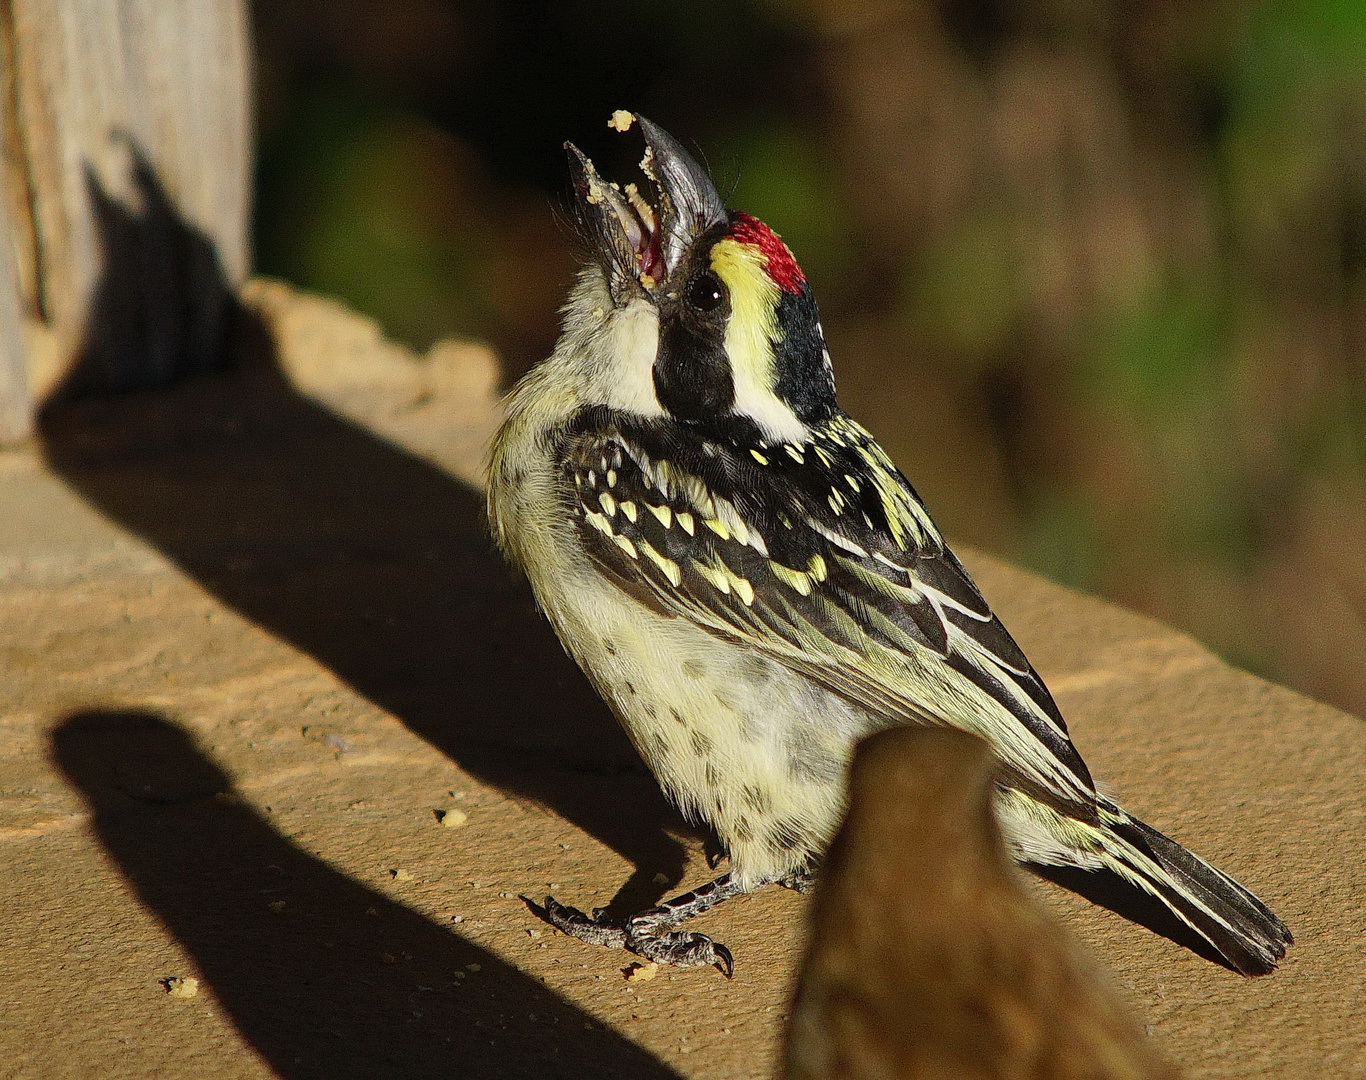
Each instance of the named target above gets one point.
<point>858,592</point>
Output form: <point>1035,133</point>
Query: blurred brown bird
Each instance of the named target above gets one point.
<point>927,957</point>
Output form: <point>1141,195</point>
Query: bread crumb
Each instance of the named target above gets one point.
<point>401,875</point>
<point>452,819</point>
<point>178,987</point>
<point>621,120</point>
<point>642,972</point>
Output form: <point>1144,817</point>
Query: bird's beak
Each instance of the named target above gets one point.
<point>645,241</point>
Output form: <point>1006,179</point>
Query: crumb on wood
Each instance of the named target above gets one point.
<point>181,987</point>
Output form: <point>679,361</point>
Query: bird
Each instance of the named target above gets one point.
<point>927,957</point>
<point>752,585</point>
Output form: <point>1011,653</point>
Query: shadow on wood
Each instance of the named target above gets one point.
<point>160,307</point>
<point>928,959</point>
<point>326,978</point>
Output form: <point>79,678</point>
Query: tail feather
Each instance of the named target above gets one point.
<point>1243,930</point>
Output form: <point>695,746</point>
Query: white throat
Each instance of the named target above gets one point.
<point>632,341</point>
<point>621,345</point>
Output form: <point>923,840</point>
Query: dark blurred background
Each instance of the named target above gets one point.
<point>1095,272</point>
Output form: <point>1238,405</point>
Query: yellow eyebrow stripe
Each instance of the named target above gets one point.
<point>754,314</point>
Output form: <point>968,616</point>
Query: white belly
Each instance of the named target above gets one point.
<point>753,748</point>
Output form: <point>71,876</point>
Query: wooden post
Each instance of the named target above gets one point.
<point>16,402</point>
<point>127,149</point>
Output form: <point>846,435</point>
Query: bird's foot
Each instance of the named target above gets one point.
<point>651,940</point>
<point>802,881</point>
<point>648,935</point>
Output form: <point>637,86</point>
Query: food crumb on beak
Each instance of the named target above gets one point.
<point>621,120</point>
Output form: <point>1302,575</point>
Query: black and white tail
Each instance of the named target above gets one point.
<point>1243,930</point>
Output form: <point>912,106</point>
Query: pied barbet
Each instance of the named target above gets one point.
<point>753,586</point>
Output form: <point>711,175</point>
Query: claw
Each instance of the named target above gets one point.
<point>562,913</point>
<point>801,881</point>
<point>677,949</point>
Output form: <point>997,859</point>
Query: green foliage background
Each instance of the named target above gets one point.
<point>1095,272</point>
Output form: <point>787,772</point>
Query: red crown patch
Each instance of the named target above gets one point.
<point>781,266</point>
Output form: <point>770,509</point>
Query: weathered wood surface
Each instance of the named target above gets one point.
<point>127,152</point>
<point>228,588</point>
<point>16,405</point>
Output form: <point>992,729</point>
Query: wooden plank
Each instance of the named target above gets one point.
<point>16,405</point>
<point>18,259</point>
<point>136,141</point>
<point>15,179</point>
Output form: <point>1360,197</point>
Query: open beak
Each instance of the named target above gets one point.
<point>646,241</point>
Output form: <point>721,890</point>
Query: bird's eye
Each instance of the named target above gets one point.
<point>705,292</point>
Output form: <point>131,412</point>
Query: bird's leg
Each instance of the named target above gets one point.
<point>653,933</point>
